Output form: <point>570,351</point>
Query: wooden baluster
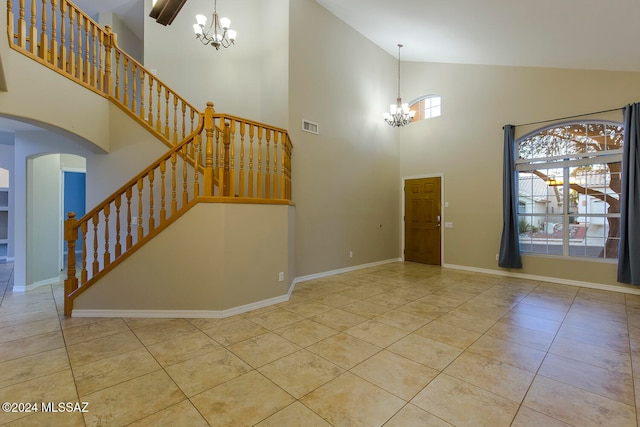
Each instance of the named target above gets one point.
<point>152,217</point>
<point>62,56</point>
<point>79,63</point>
<point>72,50</point>
<point>96,264</point>
<point>226,140</point>
<point>267,182</point>
<point>87,62</point>
<point>159,116</point>
<point>208,161</point>
<point>175,120</point>
<point>196,173</point>
<point>33,31</point>
<point>185,192</point>
<point>83,271</point>
<point>251,133</point>
<point>259,162</point>
<point>134,94</point>
<point>117,95</point>
<point>108,75</point>
<point>126,82</point>
<point>44,43</point>
<point>192,113</point>
<point>10,19</point>
<point>274,193</point>
<point>220,158</point>
<point>215,165</point>
<point>150,119</point>
<point>174,195</point>
<point>232,156</point>
<point>184,118</point>
<point>241,184</point>
<point>118,247</point>
<point>94,60</point>
<point>289,147</point>
<point>22,25</point>
<point>142,74</point>
<point>53,50</point>
<point>283,166</point>
<point>71,282</point>
<point>140,228</point>
<point>107,255</point>
<point>163,211</point>
<point>166,112</point>
<point>129,238</point>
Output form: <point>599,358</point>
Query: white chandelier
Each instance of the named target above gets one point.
<point>399,114</point>
<point>218,33</point>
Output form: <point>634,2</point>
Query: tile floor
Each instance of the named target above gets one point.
<point>396,345</point>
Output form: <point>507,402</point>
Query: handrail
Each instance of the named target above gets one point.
<point>143,195</point>
<point>82,51</point>
<point>77,47</point>
<point>253,181</point>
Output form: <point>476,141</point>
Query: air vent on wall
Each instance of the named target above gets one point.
<point>310,127</point>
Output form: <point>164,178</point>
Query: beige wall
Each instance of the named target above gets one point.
<point>465,144</point>
<point>248,79</point>
<point>215,257</point>
<point>345,180</point>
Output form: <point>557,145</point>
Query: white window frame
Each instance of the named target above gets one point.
<point>565,162</point>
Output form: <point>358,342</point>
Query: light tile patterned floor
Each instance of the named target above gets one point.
<point>396,345</point>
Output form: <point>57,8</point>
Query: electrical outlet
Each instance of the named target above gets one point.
<point>497,257</point>
<point>281,276</point>
<point>350,254</point>
<point>134,220</point>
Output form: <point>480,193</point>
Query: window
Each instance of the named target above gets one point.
<point>569,180</point>
<point>426,107</point>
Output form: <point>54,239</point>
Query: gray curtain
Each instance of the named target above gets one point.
<point>629,250</point>
<point>509,244</point>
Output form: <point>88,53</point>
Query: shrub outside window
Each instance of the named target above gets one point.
<point>569,181</point>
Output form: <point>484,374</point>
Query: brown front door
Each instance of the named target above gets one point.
<point>422,220</point>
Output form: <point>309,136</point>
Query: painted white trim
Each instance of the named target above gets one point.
<point>219,314</point>
<point>403,183</point>
<point>340,271</point>
<point>38,284</point>
<point>180,314</point>
<point>590,285</point>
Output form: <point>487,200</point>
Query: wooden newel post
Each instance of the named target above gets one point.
<point>71,282</point>
<point>208,161</point>
<point>226,140</point>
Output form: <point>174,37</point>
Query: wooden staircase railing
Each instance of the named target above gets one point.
<point>240,159</point>
<point>59,35</point>
<point>263,170</point>
<point>136,212</point>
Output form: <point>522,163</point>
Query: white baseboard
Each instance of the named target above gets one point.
<point>590,285</point>
<point>219,314</point>
<point>342,270</point>
<point>179,314</point>
<point>35,285</point>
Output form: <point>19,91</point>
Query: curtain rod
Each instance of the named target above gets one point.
<point>568,117</point>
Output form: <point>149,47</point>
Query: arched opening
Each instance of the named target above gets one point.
<point>46,200</point>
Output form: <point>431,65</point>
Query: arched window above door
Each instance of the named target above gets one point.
<point>426,107</point>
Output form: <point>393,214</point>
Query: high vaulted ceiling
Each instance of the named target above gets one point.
<point>588,34</point>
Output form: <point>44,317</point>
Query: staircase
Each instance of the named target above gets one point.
<point>211,157</point>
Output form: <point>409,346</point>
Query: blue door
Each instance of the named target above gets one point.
<point>74,198</point>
